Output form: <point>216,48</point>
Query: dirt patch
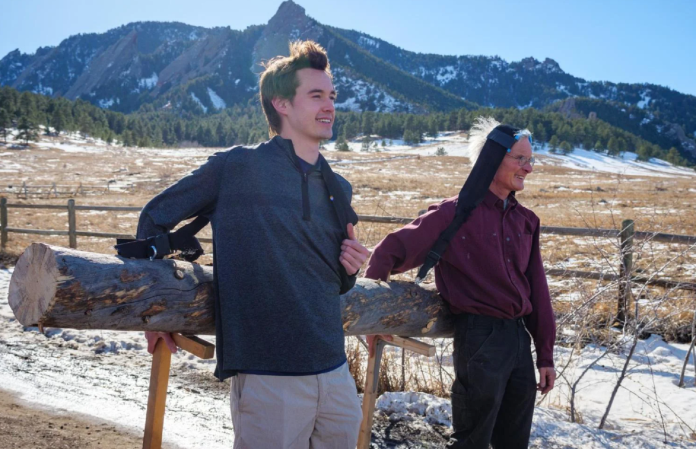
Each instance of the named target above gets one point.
<point>23,427</point>
<point>388,434</point>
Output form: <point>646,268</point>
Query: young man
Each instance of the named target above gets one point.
<point>284,250</point>
<point>491,273</point>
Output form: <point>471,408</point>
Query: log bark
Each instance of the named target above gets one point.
<point>60,287</point>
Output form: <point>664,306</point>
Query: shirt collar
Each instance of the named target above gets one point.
<point>289,149</point>
<point>492,200</point>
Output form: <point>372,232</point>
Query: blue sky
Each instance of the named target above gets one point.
<point>621,41</point>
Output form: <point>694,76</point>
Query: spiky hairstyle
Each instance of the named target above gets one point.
<point>479,133</point>
<point>279,79</point>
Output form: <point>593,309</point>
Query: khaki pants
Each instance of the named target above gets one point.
<point>295,412</point>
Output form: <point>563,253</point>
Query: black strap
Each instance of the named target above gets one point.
<point>344,211</point>
<point>471,194</point>
<point>156,247</point>
<point>503,139</point>
<point>440,246</point>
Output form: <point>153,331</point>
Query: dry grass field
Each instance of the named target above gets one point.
<point>388,185</point>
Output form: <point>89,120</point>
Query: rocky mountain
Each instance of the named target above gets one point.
<point>154,65</point>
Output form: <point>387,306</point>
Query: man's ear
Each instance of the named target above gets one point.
<point>281,105</point>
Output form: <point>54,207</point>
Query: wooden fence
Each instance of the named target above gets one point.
<point>57,190</point>
<point>625,236</point>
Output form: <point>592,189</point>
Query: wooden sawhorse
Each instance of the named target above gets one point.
<point>159,379</point>
<point>372,380</point>
<point>161,363</point>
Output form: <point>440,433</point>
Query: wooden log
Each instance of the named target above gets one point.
<point>62,287</point>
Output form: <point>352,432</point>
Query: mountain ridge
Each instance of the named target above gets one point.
<point>202,70</point>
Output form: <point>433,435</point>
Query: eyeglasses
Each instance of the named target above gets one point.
<point>523,160</point>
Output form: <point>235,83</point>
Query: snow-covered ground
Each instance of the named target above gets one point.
<point>455,144</point>
<point>105,374</point>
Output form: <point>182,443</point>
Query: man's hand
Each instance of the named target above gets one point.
<point>152,338</point>
<point>547,377</point>
<point>353,254</point>
<point>372,342</point>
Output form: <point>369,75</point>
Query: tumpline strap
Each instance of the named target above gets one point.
<point>156,247</point>
<point>498,142</point>
<point>344,211</point>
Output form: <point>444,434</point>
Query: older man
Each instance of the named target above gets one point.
<point>489,269</point>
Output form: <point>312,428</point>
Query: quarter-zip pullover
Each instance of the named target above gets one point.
<point>277,242</point>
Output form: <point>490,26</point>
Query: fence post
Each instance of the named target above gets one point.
<point>72,227</point>
<point>3,222</point>
<point>26,190</point>
<point>55,190</point>
<point>626,239</point>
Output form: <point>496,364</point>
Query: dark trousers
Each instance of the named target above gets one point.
<point>495,384</point>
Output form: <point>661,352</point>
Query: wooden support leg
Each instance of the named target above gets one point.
<point>370,395</point>
<point>159,378</point>
<point>372,381</point>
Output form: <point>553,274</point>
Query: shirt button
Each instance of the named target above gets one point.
<point>508,239</point>
<point>494,234</point>
<point>508,260</point>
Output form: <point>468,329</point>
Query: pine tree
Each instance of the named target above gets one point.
<point>411,137</point>
<point>366,142</point>
<point>553,143</point>
<point>5,123</point>
<point>674,157</point>
<point>27,130</point>
<point>58,120</point>
<point>432,127</point>
<point>613,146</point>
<point>565,147</point>
<point>341,144</point>
<point>644,152</point>
<point>368,122</point>
<point>350,130</point>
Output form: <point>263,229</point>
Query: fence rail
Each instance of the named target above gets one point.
<point>48,190</point>
<point>626,236</point>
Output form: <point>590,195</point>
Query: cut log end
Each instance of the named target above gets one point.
<point>33,284</point>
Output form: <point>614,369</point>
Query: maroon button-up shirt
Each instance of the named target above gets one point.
<point>492,267</point>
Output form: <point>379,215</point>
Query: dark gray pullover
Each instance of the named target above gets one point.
<point>277,274</point>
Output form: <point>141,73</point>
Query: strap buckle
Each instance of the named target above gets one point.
<point>158,245</point>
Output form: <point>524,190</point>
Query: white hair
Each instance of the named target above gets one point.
<point>479,133</point>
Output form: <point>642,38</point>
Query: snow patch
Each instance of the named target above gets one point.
<point>446,74</point>
<point>360,91</point>
<point>367,42</point>
<point>148,83</point>
<point>106,104</point>
<point>195,98</point>
<point>400,404</point>
<point>218,102</point>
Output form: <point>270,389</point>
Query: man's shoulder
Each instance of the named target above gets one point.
<point>238,153</point>
<point>444,210</point>
<point>527,213</point>
<point>343,181</point>
<point>448,206</point>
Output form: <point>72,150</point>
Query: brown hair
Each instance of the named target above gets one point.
<point>279,79</point>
